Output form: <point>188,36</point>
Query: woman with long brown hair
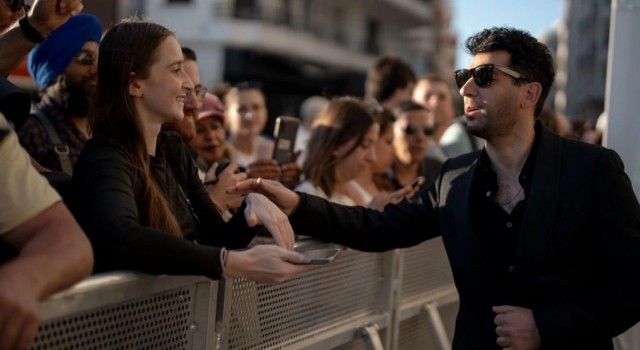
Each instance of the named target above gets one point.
<point>371,188</point>
<point>139,196</point>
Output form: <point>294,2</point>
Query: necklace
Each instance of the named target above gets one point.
<point>507,202</point>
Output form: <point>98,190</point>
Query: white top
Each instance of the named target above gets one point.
<point>340,198</point>
<point>366,196</point>
<point>302,139</point>
<point>264,150</point>
<point>24,193</point>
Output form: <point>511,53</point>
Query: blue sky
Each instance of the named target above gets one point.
<point>471,16</point>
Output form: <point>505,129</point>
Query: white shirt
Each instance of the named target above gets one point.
<point>24,193</point>
<point>340,198</point>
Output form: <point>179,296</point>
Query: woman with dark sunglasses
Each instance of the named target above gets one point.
<point>29,26</point>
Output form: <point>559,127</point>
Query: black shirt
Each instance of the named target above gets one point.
<point>498,231</point>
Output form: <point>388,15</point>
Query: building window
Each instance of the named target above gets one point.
<point>338,26</point>
<point>286,12</point>
<point>372,41</point>
<point>247,9</point>
<point>307,10</point>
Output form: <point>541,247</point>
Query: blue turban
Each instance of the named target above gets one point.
<point>51,57</point>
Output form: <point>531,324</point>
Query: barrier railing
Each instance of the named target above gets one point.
<point>401,299</point>
<point>322,308</point>
<point>428,301</point>
<point>130,311</point>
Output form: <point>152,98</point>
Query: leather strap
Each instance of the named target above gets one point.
<point>61,149</point>
<point>30,32</point>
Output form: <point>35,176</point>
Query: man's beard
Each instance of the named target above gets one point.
<point>77,98</point>
<point>76,102</point>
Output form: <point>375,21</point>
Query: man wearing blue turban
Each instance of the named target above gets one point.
<point>64,68</point>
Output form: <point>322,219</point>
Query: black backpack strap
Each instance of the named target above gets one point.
<point>61,149</point>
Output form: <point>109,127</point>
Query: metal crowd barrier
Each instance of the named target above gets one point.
<point>428,302</point>
<point>402,299</point>
<point>320,309</point>
<point>130,311</point>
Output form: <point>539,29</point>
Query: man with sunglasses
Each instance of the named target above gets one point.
<point>412,131</point>
<point>542,232</point>
<point>64,67</point>
<point>22,26</point>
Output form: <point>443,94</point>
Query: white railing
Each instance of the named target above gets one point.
<point>402,299</point>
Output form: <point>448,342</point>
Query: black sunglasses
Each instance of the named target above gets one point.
<point>412,129</point>
<point>483,75</point>
<point>16,5</point>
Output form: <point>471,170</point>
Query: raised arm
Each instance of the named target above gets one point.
<point>44,16</point>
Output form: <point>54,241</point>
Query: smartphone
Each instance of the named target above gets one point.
<point>285,133</point>
<point>417,182</point>
<point>224,164</point>
<point>320,256</point>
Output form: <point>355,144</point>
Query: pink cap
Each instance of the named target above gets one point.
<point>212,107</point>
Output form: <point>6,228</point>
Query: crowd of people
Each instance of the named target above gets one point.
<point>128,162</point>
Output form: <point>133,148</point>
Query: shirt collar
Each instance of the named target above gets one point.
<point>484,163</point>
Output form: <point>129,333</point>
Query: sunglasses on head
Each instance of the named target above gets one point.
<point>483,75</point>
<point>17,5</point>
<point>86,58</point>
<point>412,129</point>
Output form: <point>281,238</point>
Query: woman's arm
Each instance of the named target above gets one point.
<point>108,213</point>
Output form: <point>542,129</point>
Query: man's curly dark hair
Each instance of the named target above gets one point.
<point>528,56</point>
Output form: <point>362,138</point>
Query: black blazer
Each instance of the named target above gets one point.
<point>578,258</point>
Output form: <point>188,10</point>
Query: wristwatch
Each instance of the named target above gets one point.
<point>30,32</point>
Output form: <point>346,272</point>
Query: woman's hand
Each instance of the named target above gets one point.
<point>265,264</point>
<point>261,211</point>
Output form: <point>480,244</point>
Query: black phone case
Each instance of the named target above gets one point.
<point>284,133</point>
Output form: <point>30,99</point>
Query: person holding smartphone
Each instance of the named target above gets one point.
<point>371,188</point>
<point>246,114</point>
